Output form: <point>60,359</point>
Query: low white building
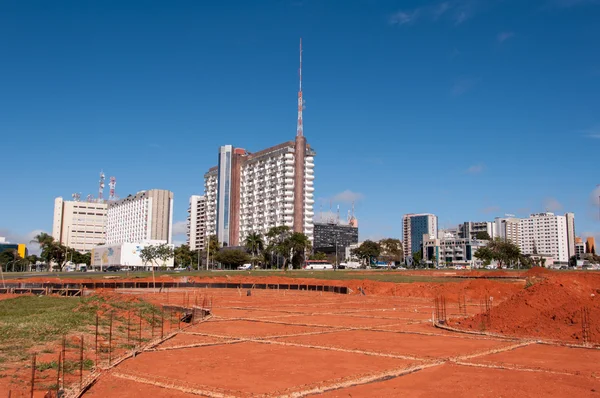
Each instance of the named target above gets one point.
<point>452,250</point>
<point>126,255</point>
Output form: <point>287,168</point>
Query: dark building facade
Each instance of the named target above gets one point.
<point>326,235</point>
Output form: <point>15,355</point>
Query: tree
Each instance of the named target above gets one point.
<point>298,244</point>
<point>482,235</point>
<point>183,256</point>
<point>318,256</point>
<point>573,261</point>
<point>417,258</point>
<point>500,250</point>
<point>232,257</point>
<point>155,254</point>
<point>391,250</point>
<point>254,243</point>
<point>368,251</point>
<point>277,242</point>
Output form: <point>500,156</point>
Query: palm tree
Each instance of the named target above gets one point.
<point>43,239</point>
<point>254,243</point>
<point>298,244</point>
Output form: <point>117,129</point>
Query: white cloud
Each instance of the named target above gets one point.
<point>551,204</point>
<point>463,85</point>
<point>593,132</point>
<point>329,216</point>
<point>404,17</point>
<point>503,36</point>
<point>180,228</point>
<point>476,169</point>
<point>455,11</point>
<point>347,197</point>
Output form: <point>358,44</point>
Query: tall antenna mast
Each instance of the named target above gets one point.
<point>101,187</point>
<point>112,184</point>
<point>300,128</point>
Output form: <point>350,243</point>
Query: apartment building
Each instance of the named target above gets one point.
<point>145,216</point>
<point>196,223</point>
<point>414,227</point>
<point>79,225</point>
<point>253,192</point>
<point>545,234</point>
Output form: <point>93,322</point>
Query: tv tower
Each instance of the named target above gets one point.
<point>299,161</point>
<point>112,184</point>
<point>101,187</point>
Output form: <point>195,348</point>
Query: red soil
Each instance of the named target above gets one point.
<point>551,308</point>
<point>461,381</point>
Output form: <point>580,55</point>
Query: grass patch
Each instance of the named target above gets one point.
<point>33,321</point>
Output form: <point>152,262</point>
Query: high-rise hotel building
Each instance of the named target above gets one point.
<point>147,215</point>
<point>253,192</point>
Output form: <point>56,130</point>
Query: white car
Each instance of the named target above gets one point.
<point>311,265</point>
<point>245,267</point>
<point>350,265</point>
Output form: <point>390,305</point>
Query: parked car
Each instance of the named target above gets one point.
<point>349,265</point>
<point>245,267</point>
<point>112,268</point>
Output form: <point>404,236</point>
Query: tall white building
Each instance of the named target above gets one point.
<point>545,233</point>
<point>210,195</point>
<point>570,218</point>
<point>79,225</point>
<point>196,233</point>
<point>145,216</point>
<point>253,192</point>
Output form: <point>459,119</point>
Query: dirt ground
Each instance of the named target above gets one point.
<point>383,344</point>
<point>277,344</point>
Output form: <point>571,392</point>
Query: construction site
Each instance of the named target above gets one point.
<point>533,333</point>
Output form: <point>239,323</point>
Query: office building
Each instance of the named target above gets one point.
<point>253,192</point>
<point>127,255</point>
<point>196,223</point>
<point>452,250</point>
<point>570,219</point>
<point>145,216</point>
<point>590,245</point>
<point>414,226</point>
<point>545,234</point>
<point>79,225</point>
<point>334,237</point>
<point>470,229</point>
<point>508,228</point>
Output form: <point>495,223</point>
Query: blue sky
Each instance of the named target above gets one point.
<point>467,109</point>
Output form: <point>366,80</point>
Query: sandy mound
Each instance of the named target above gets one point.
<point>550,307</point>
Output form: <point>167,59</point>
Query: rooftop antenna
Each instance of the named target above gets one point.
<point>101,187</point>
<point>300,128</point>
<point>76,196</point>
<point>112,184</point>
<point>338,214</point>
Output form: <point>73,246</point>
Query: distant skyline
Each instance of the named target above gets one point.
<point>465,109</point>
